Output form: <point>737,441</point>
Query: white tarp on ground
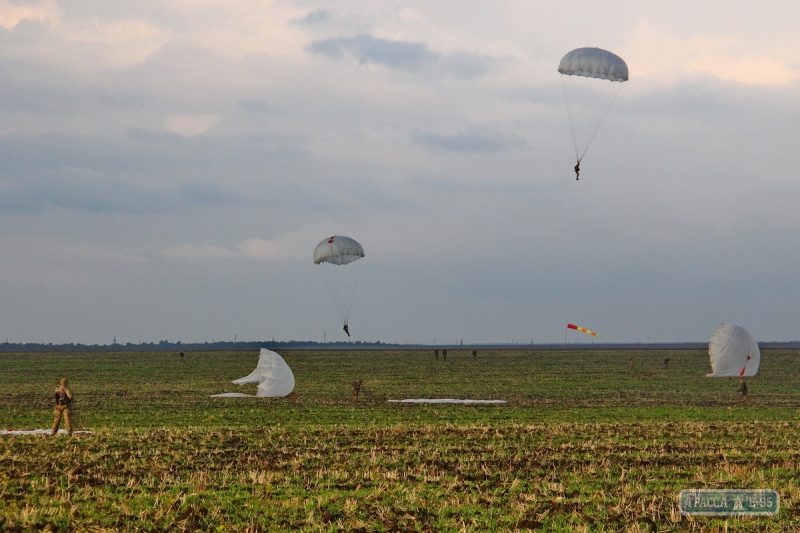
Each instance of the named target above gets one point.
<point>445,400</point>
<point>36,431</point>
<point>273,375</point>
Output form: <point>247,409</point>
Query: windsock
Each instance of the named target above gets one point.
<point>583,330</point>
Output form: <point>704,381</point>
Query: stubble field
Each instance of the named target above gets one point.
<point>585,443</point>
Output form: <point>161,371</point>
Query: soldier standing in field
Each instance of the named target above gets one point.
<point>356,387</point>
<point>63,400</point>
<point>742,391</point>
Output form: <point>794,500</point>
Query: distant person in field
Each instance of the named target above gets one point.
<point>474,354</point>
<point>666,362</point>
<point>346,330</point>
<point>444,355</point>
<point>356,388</point>
<point>631,364</point>
<point>436,354</point>
<point>742,391</point>
<point>62,397</point>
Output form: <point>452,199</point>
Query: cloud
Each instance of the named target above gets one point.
<point>471,140</point>
<point>202,252</point>
<point>319,16</point>
<point>468,65</point>
<point>46,13</point>
<point>291,245</point>
<point>657,55</point>
<point>368,49</point>
<point>190,125</point>
<point>412,56</point>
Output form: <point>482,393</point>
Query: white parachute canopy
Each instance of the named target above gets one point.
<point>336,257</point>
<point>591,78</point>
<point>733,352</point>
<point>273,375</point>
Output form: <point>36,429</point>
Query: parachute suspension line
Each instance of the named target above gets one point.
<point>343,290</point>
<point>602,118</point>
<point>571,127</point>
<point>585,123</point>
<point>350,291</point>
<point>332,290</point>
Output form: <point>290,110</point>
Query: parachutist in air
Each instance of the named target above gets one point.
<point>578,171</point>
<point>346,330</point>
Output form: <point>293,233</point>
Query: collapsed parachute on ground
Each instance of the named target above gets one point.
<point>273,375</point>
<point>591,79</point>
<point>733,352</point>
<point>336,257</point>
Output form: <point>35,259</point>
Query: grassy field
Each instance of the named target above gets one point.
<point>585,443</point>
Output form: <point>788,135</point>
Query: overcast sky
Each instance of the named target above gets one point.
<point>167,168</point>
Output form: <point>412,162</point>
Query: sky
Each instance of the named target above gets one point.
<point>168,167</point>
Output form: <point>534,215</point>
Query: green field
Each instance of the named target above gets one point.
<point>585,443</point>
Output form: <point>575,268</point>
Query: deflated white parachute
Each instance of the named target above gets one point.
<point>592,78</point>
<point>273,375</point>
<point>336,256</point>
<point>733,352</point>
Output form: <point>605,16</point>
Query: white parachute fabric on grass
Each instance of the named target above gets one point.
<point>732,351</point>
<point>273,375</point>
<point>591,78</point>
<point>336,257</point>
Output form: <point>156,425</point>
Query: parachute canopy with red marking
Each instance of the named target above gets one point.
<point>583,330</point>
<point>732,351</point>
<point>331,255</point>
<point>338,250</point>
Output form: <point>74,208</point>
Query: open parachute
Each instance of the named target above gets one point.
<point>591,78</point>
<point>733,352</point>
<point>273,375</point>
<point>336,257</point>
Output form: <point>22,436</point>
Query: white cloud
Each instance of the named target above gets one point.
<point>295,244</point>
<point>201,252</point>
<point>259,249</point>
<point>118,43</point>
<point>45,12</point>
<point>655,55</point>
<point>190,125</point>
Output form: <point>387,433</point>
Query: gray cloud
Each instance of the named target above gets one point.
<point>472,140</point>
<point>319,16</point>
<point>369,49</point>
<point>468,65</point>
<point>413,56</point>
<point>463,193</point>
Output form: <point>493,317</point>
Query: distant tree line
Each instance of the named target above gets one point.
<point>179,346</point>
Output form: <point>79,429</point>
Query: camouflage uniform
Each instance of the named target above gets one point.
<point>356,387</point>
<point>63,400</point>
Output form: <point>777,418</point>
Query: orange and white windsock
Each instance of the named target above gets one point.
<point>583,330</point>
